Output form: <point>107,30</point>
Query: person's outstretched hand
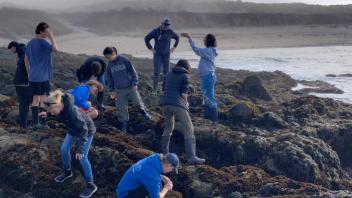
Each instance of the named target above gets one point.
<point>43,114</point>
<point>186,35</point>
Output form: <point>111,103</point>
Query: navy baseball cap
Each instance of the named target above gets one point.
<point>172,158</point>
<point>166,21</point>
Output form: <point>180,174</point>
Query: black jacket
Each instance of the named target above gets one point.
<point>84,72</point>
<point>79,124</point>
<point>176,83</point>
<point>21,75</point>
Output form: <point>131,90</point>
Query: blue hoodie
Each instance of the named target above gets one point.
<point>207,59</point>
<point>81,96</point>
<point>147,173</point>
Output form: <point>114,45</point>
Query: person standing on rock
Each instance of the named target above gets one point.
<point>80,132</point>
<point>175,105</point>
<point>145,178</point>
<point>39,64</point>
<point>206,71</point>
<point>162,36</point>
<point>21,82</point>
<point>93,69</point>
<point>122,81</point>
<point>82,94</point>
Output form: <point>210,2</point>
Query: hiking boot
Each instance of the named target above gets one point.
<point>124,128</point>
<point>190,146</point>
<point>89,190</point>
<point>63,176</point>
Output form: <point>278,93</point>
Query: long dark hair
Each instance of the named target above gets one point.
<point>210,40</point>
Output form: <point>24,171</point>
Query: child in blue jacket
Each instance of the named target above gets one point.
<point>145,177</point>
<point>82,94</point>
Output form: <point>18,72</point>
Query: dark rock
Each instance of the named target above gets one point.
<point>252,87</point>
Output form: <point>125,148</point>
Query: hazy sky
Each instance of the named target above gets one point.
<point>72,3</point>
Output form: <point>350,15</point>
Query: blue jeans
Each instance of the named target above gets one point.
<point>66,156</point>
<point>161,60</point>
<point>207,86</point>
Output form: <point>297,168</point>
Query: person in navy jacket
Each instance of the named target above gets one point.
<point>93,69</point>
<point>162,36</point>
<point>21,82</point>
<point>145,178</point>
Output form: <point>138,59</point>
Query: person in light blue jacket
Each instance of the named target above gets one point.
<point>145,177</point>
<point>207,73</point>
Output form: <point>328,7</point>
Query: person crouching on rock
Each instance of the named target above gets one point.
<point>175,105</point>
<point>123,85</point>
<point>93,69</point>
<point>21,82</point>
<point>206,71</point>
<point>145,177</point>
<point>82,94</point>
<point>80,132</point>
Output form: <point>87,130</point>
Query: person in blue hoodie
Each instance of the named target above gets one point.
<point>93,69</point>
<point>81,130</point>
<point>38,61</point>
<point>82,94</point>
<point>162,36</point>
<point>145,178</point>
<point>122,81</point>
<point>207,73</point>
<point>21,82</point>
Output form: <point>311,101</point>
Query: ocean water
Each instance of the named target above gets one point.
<point>302,63</point>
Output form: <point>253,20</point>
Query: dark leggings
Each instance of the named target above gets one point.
<point>24,100</point>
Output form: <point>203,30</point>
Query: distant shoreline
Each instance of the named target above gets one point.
<point>84,42</point>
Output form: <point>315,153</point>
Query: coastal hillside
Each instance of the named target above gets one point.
<point>17,23</point>
<point>271,141</point>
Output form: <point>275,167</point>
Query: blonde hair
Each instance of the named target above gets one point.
<point>55,97</point>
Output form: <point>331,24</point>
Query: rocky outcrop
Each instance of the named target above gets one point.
<point>292,145</point>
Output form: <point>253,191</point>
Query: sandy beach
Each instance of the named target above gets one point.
<point>82,41</point>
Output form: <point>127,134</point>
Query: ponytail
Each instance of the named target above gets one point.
<point>55,97</point>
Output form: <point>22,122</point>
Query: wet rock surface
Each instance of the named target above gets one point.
<point>271,141</point>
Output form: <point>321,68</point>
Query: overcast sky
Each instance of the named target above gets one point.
<point>72,3</point>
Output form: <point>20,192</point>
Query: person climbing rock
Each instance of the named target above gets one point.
<point>206,71</point>
<point>122,81</point>
<point>145,178</point>
<point>38,62</point>
<point>80,132</point>
<point>93,69</point>
<point>162,36</point>
<point>21,82</point>
<point>82,94</point>
<point>175,105</point>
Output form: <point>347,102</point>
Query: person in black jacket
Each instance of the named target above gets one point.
<point>175,105</point>
<point>21,82</point>
<point>93,69</point>
<point>80,132</point>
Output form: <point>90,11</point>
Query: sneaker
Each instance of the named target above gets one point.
<point>63,176</point>
<point>89,190</point>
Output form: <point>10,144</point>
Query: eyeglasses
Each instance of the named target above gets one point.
<point>49,103</point>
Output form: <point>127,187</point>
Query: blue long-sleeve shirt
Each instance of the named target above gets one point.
<point>147,172</point>
<point>162,40</point>
<point>121,74</point>
<point>81,96</point>
<point>207,58</point>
